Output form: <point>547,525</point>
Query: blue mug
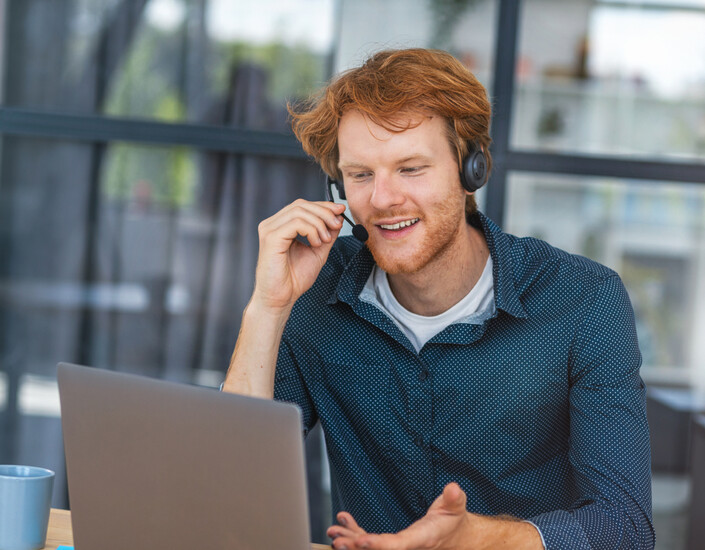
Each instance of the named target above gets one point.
<point>25,502</point>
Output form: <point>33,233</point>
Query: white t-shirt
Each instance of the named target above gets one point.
<point>476,307</point>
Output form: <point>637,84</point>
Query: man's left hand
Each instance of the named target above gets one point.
<point>446,525</point>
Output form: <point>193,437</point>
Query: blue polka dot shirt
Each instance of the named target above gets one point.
<point>538,412</point>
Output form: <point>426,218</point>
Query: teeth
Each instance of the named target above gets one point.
<point>399,225</point>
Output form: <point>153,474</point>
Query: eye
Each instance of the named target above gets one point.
<point>412,170</point>
<point>359,176</point>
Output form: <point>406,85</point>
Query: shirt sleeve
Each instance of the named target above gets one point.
<point>609,437</point>
<point>289,385</point>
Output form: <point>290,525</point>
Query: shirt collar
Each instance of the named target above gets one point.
<point>506,296</point>
<point>355,274</point>
<point>354,277</point>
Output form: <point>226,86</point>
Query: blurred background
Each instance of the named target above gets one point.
<point>141,142</point>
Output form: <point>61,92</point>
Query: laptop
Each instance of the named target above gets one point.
<point>157,465</point>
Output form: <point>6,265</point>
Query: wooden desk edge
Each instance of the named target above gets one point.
<point>60,531</point>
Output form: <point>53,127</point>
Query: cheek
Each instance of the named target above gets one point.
<point>357,196</point>
<point>356,207</point>
<point>447,203</point>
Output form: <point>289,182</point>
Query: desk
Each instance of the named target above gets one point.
<point>60,531</point>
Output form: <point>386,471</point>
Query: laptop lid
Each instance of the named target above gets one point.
<point>158,465</point>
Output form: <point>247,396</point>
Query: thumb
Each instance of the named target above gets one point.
<point>453,498</point>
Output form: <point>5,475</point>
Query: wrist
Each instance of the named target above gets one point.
<point>503,532</point>
<point>259,310</point>
<point>254,360</point>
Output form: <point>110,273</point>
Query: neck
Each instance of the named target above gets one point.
<point>447,280</point>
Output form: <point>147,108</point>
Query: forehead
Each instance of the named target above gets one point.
<point>419,133</point>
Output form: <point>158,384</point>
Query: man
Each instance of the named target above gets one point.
<point>476,390</point>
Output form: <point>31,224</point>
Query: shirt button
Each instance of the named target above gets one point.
<point>423,375</point>
<point>418,441</point>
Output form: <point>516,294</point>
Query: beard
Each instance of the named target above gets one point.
<point>441,228</point>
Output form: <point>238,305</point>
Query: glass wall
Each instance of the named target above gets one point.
<point>169,60</point>
<point>466,28</point>
<point>612,77</point>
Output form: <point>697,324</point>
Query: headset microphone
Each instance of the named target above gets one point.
<point>358,230</point>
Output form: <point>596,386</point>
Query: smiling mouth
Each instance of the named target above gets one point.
<point>399,225</point>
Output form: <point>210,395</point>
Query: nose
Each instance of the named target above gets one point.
<point>387,192</point>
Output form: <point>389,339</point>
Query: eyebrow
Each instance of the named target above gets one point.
<point>349,165</point>
<point>415,158</point>
<point>359,166</point>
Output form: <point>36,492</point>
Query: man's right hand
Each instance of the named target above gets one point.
<point>286,268</point>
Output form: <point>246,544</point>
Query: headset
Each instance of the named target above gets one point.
<point>358,230</point>
<point>473,175</point>
<point>473,169</point>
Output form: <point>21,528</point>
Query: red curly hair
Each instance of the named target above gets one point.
<point>391,83</point>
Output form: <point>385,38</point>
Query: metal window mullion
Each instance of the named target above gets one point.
<point>502,98</point>
<point>610,167</point>
<point>93,128</point>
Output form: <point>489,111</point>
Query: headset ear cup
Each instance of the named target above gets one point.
<point>474,170</point>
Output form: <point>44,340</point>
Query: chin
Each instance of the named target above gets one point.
<point>397,268</point>
<point>395,264</point>
<point>412,257</point>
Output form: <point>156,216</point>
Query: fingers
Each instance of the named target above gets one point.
<point>337,531</point>
<point>307,224</point>
<point>347,526</point>
<point>382,542</point>
<point>342,540</point>
<point>319,222</point>
<point>345,533</point>
<point>286,268</point>
<point>454,498</point>
<point>451,500</point>
<point>345,519</point>
<point>439,528</point>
